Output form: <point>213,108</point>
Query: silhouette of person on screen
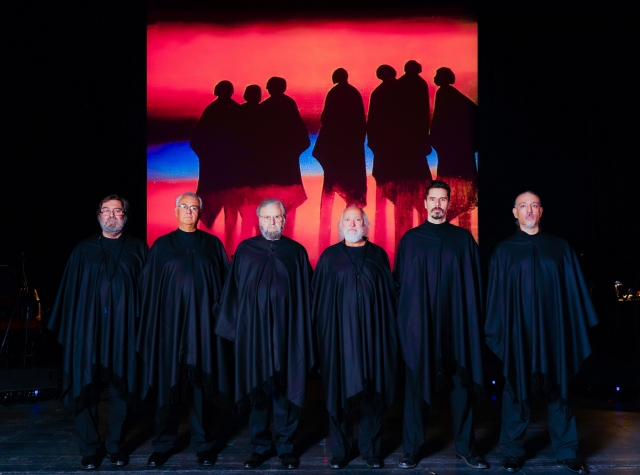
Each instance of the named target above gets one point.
<point>397,135</point>
<point>284,137</point>
<point>339,149</point>
<point>252,163</point>
<point>453,137</point>
<point>215,141</point>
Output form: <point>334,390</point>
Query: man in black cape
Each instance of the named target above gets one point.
<point>538,314</point>
<point>265,310</point>
<point>181,282</point>
<point>440,308</point>
<point>353,314</point>
<point>93,318</point>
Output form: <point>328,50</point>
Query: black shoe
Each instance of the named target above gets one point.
<point>255,460</point>
<point>157,459</point>
<point>290,461</point>
<point>118,458</point>
<point>574,466</point>
<point>511,464</point>
<point>473,460</point>
<point>206,458</point>
<point>407,461</point>
<point>338,462</point>
<point>90,462</point>
<point>373,462</point>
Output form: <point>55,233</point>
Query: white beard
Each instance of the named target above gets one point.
<point>353,237</point>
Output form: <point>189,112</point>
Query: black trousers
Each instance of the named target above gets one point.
<point>87,434</point>
<point>369,433</point>
<point>260,427</point>
<point>563,432</point>
<point>200,418</point>
<point>415,416</point>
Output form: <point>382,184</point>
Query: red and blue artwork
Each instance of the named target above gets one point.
<point>287,137</point>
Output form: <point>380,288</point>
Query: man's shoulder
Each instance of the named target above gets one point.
<point>293,244</point>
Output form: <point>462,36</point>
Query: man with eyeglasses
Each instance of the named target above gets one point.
<point>354,323</point>
<point>538,316</point>
<point>264,309</point>
<point>181,282</point>
<point>94,319</point>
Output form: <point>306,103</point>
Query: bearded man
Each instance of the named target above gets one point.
<point>265,309</point>
<point>94,319</point>
<point>353,317</point>
<point>538,314</point>
<point>439,320</point>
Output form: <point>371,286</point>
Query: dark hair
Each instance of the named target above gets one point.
<point>125,203</point>
<point>439,184</point>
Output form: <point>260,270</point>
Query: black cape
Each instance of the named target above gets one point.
<point>95,321</point>
<point>538,314</point>
<point>440,306</point>
<point>265,310</point>
<point>353,315</point>
<point>180,285</point>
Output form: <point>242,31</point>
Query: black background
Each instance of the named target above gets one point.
<point>558,95</point>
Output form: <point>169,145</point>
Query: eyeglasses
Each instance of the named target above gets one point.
<point>185,207</point>
<point>107,212</point>
<point>277,219</point>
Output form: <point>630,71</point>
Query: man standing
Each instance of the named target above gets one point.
<point>181,282</point>
<point>439,310</point>
<point>538,314</point>
<point>353,314</point>
<point>93,318</point>
<point>265,309</point>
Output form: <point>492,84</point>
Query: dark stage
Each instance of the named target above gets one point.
<point>558,116</point>
<point>37,436</point>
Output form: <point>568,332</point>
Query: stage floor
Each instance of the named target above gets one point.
<point>38,437</point>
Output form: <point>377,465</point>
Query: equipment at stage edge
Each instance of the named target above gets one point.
<point>630,295</point>
<point>28,384</point>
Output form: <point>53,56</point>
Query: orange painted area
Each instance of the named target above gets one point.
<point>306,230</point>
<point>185,61</point>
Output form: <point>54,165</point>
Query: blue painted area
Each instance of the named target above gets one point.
<point>176,161</point>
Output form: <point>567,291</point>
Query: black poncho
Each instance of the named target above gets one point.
<point>538,313</point>
<point>265,309</point>
<point>93,317</point>
<point>440,306</point>
<point>180,284</point>
<point>353,315</point>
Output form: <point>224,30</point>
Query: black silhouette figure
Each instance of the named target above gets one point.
<point>215,141</point>
<point>249,195</point>
<point>453,136</point>
<point>284,137</point>
<point>397,129</point>
<point>340,150</point>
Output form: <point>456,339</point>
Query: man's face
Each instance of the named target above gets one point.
<point>271,222</point>
<point>528,211</point>
<point>352,225</point>
<point>188,212</point>
<point>112,218</point>
<point>437,204</point>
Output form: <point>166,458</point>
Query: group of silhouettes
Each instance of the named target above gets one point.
<point>250,150</point>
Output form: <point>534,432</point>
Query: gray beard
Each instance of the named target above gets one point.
<point>112,225</point>
<point>353,237</point>
<point>271,235</point>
